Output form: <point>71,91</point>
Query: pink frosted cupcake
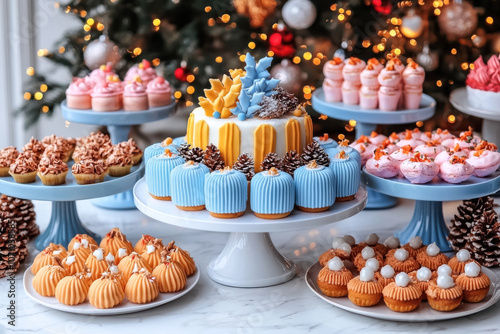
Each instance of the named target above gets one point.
<point>382,165</point>
<point>143,70</point>
<point>350,92</point>
<point>441,135</point>
<point>333,69</point>
<point>467,140</point>
<point>390,90</point>
<point>333,90</point>
<point>389,146</point>
<point>105,97</point>
<point>413,75</point>
<point>376,64</point>
<point>159,92</point>
<point>390,76</point>
<point>352,69</point>
<point>377,138</point>
<point>364,147</point>
<point>78,94</point>
<point>485,162</point>
<point>100,74</point>
<point>456,170</point>
<point>135,97</point>
<point>431,149</point>
<point>404,153</point>
<point>411,138</point>
<point>419,169</point>
<point>448,154</point>
<point>368,97</point>
<point>369,77</point>
<point>116,83</point>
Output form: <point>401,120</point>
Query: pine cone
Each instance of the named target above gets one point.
<point>271,160</point>
<point>314,151</point>
<point>290,162</point>
<point>191,154</point>
<point>277,105</point>
<point>245,164</point>
<point>212,158</point>
<point>484,239</point>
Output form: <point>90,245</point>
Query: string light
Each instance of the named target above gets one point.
<point>316,61</point>
<point>62,49</point>
<point>439,83</point>
<point>208,9</point>
<point>190,90</point>
<point>307,56</point>
<point>296,60</point>
<point>453,51</point>
<point>263,37</point>
<point>242,58</point>
<point>218,59</point>
<point>100,26</point>
<point>86,27</point>
<point>419,123</point>
<point>156,22</point>
<point>156,61</point>
<point>137,51</point>
<point>45,109</point>
<point>43,88</point>
<point>489,20</point>
<point>251,45</point>
<point>225,18</point>
<point>83,13</point>
<point>352,122</point>
<point>451,119</point>
<point>464,66</point>
<point>189,103</point>
<point>177,94</point>
<point>27,95</point>
<point>270,53</point>
<point>90,21</point>
<point>67,124</point>
<point>30,71</point>
<point>190,78</point>
<point>38,96</point>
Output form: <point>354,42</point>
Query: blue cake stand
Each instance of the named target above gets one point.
<point>118,124</point>
<point>366,122</point>
<point>64,222</point>
<point>427,221</point>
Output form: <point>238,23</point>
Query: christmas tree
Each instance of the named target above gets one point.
<point>192,41</point>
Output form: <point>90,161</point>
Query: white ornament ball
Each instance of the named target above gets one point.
<point>416,242</point>
<point>433,249</point>
<point>392,242</point>
<point>412,24</point>
<point>372,239</point>
<point>299,14</point>
<point>100,52</point>
<point>290,76</point>
<point>424,274</point>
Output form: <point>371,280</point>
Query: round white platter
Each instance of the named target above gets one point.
<point>422,314</point>
<point>124,308</point>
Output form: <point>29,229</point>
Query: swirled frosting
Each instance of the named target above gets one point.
<point>87,152</point>
<point>54,151</point>
<point>104,89</point>
<point>129,147</point>
<point>26,162</point>
<point>8,155</point>
<point>89,167</point>
<point>34,146</point>
<point>52,166</point>
<point>79,86</point>
<point>119,159</point>
<point>134,88</point>
<point>158,86</point>
<point>485,76</point>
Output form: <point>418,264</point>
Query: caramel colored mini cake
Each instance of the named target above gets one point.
<point>402,295</point>
<point>458,262</point>
<point>367,253</point>
<point>333,278</point>
<point>386,275</point>
<point>340,249</point>
<point>142,287</point>
<point>119,164</point>
<point>444,294</point>
<point>402,262</point>
<point>152,255</point>
<point>24,168</point>
<point>81,251</point>
<point>89,171</point>
<point>97,263</point>
<point>84,239</point>
<point>474,282</point>
<point>46,279</point>
<point>73,290</point>
<point>364,290</point>
<point>106,292</point>
<point>170,275</point>
<point>45,257</point>
<point>373,241</point>
<point>422,277</point>
<point>432,257</point>
<point>116,274</point>
<point>122,253</point>
<point>115,240</point>
<point>52,172</point>
<point>7,156</point>
<point>128,263</point>
<point>182,257</point>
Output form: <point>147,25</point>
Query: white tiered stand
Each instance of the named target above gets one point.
<point>249,258</point>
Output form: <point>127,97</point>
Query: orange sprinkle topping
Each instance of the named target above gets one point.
<point>363,139</point>
<point>467,135</point>
<point>313,164</point>
<point>413,65</point>
<point>336,60</point>
<point>374,134</point>
<point>344,143</point>
<point>416,130</point>
<point>341,136</point>
<point>167,141</point>
<point>409,135</point>
<point>379,154</point>
<point>354,61</point>
<point>396,61</point>
<point>433,143</point>
<point>390,67</point>
<point>323,117</point>
<point>458,160</point>
<point>385,143</point>
<point>362,149</point>
<point>168,153</point>
<point>406,149</point>
<point>341,155</point>
<point>373,61</point>
<point>428,134</point>
<point>324,137</point>
<point>273,171</point>
<point>394,135</point>
<point>478,153</point>
<point>457,148</point>
<point>485,145</point>
<point>190,162</point>
<point>369,67</point>
<point>420,158</point>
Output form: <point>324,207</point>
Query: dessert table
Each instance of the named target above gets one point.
<point>214,308</point>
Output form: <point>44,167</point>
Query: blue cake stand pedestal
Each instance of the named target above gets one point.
<point>118,124</point>
<point>64,222</point>
<point>366,122</point>
<point>427,221</point>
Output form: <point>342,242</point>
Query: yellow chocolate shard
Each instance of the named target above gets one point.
<point>211,94</point>
<point>216,85</point>
<point>206,105</point>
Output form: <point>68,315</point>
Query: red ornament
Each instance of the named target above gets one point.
<point>383,7</point>
<point>282,42</point>
<point>181,73</point>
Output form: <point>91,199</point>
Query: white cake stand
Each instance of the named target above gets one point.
<point>249,258</point>
<point>491,119</point>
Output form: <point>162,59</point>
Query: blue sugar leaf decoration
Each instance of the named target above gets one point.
<point>257,98</point>
<point>249,60</point>
<point>251,110</point>
<point>263,64</point>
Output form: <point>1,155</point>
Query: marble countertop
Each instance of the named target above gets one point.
<point>213,308</point>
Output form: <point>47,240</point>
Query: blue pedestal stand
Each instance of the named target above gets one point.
<point>366,122</point>
<point>427,221</point>
<point>118,124</point>
<point>64,221</point>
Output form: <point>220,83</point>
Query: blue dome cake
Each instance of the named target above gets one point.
<point>314,187</point>
<point>188,186</point>
<point>272,194</point>
<point>347,176</point>
<point>159,148</point>
<point>325,141</point>
<point>158,174</point>
<point>344,146</point>
<point>226,193</point>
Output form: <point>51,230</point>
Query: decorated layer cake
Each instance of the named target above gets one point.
<point>483,84</point>
<point>247,113</point>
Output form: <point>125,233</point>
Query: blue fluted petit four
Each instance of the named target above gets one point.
<point>188,186</point>
<point>347,176</point>
<point>314,187</point>
<point>159,148</point>
<point>226,192</point>
<point>325,141</point>
<point>158,174</point>
<point>272,194</point>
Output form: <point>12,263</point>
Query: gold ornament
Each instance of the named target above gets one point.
<point>256,10</point>
<point>223,95</point>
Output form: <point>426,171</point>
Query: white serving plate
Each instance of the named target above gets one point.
<point>422,314</point>
<point>124,308</point>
